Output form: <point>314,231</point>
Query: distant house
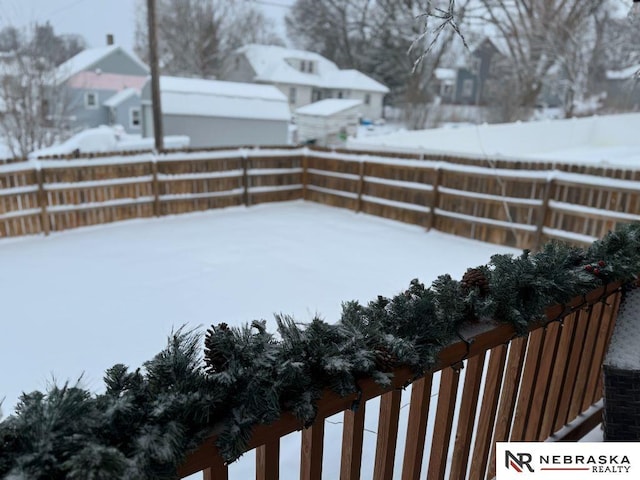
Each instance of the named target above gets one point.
<point>328,122</point>
<point>305,77</point>
<point>103,86</point>
<point>215,113</point>
<point>623,88</point>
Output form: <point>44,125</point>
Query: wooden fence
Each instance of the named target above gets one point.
<point>497,386</point>
<point>520,208</point>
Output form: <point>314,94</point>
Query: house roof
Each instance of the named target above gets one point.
<point>272,64</point>
<point>89,57</point>
<point>207,98</point>
<point>328,107</point>
<point>445,74</point>
<point>121,96</point>
<point>624,74</point>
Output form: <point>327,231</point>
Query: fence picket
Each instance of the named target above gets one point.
<point>417,427</point>
<point>447,395</point>
<point>352,435</point>
<point>268,461</point>
<point>311,451</point>
<point>387,435</point>
<point>488,410</point>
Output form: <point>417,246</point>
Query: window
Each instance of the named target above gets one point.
<point>303,65</point>
<point>339,93</point>
<point>91,100</point>
<point>310,67</point>
<point>467,87</point>
<point>367,98</point>
<point>237,63</point>
<point>446,89</point>
<point>316,95</point>
<point>292,95</point>
<point>134,118</point>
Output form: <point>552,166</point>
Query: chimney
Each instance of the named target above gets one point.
<point>109,38</point>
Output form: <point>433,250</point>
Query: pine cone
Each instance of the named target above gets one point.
<point>475,278</point>
<point>385,360</point>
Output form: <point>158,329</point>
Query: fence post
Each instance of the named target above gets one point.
<point>543,212</point>
<point>363,168</point>
<point>435,199</point>
<point>42,200</point>
<point>245,178</point>
<point>155,187</point>
<point>305,174</point>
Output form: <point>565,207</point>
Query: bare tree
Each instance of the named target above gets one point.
<point>378,37</point>
<point>538,36</point>
<point>196,36</point>
<point>34,106</point>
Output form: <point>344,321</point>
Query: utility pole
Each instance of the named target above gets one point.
<point>155,75</point>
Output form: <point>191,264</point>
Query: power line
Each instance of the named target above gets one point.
<point>273,4</point>
<point>65,7</point>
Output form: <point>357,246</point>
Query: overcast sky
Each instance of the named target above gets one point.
<point>94,19</point>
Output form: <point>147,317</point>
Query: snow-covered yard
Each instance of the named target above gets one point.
<point>75,303</point>
<point>608,141</point>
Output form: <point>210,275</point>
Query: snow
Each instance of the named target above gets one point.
<point>610,140</point>
<point>192,96</point>
<point>445,74</point>
<point>623,350</point>
<point>624,74</point>
<point>77,302</point>
<point>89,57</point>
<point>328,107</point>
<point>107,138</point>
<point>274,64</point>
<point>120,97</point>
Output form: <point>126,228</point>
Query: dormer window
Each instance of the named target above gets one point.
<point>303,65</point>
<point>310,68</point>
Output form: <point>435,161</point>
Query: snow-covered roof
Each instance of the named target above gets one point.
<point>194,96</point>
<point>120,97</point>
<point>89,57</point>
<point>624,74</point>
<point>328,107</point>
<point>445,74</point>
<point>275,64</point>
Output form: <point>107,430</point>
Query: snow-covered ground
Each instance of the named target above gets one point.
<point>600,140</point>
<point>77,302</point>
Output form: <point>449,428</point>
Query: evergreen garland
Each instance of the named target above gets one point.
<point>148,419</point>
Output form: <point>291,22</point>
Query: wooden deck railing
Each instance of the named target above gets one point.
<point>512,207</point>
<point>500,387</point>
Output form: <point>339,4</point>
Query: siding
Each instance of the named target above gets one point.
<point>214,132</point>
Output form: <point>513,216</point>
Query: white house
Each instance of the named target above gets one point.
<point>305,77</point>
<point>214,113</point>
<point>328,122</point>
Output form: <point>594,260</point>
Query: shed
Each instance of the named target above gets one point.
<point>328,122</point>
<point>214,113</point>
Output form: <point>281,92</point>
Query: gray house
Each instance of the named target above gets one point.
<point>214,113</point>
<point>102,84</point>
<point>622,88</point>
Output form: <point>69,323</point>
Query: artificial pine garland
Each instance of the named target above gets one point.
<point>148,419</point>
